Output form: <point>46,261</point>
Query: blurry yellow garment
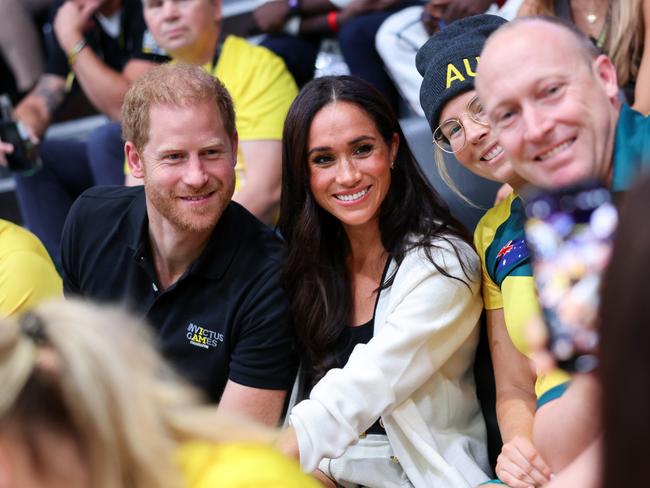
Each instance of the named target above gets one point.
<point>239,465</point>
<point>27,274</point>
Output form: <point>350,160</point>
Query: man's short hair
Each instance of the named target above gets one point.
<point>585,46</point>
<point>177,85</point>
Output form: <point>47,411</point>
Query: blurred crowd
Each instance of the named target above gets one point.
<point>247,273</point>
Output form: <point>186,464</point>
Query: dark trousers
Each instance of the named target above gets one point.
<point>357,42</point>
<point>69,168</point>
<point>299,54</point>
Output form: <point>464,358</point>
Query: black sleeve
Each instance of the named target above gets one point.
<point>264,355</point>
<point>56,60</point>
<point>69,252</point>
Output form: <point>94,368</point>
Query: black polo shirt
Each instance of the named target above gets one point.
<point>225,318</point>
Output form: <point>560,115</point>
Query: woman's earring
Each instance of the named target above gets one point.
<point>392,165</point>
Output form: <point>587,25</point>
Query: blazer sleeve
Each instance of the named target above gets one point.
<point>428,319</point>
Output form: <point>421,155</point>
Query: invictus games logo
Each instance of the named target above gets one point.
<point>201,337</point>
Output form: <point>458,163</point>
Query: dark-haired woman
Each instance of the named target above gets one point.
<point>384,292</point>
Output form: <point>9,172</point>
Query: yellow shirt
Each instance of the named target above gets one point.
<point>27,273</point>
<point>508,277</point>
<point>239,465</point>
<point>261,88</point>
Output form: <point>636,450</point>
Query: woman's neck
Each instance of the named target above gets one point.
<point>365,265</point>
<point>366,247</point>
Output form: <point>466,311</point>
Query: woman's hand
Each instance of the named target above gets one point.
<point>5,148</point>
<point>520,466</point>
<point>503,193</point>
<point>287,443</point>
<point>324,480</point>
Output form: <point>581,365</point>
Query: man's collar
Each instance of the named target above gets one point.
<point>222,247</point>
<point>137,222</point>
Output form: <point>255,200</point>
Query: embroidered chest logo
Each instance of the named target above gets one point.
<point>202,337</point>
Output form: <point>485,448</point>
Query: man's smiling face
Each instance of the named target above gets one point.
<point>553,107</point>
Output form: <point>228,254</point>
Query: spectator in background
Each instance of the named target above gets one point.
<point>27,274</point>
<point>296,28</point>
<point>258,81</point>
<point>620,28</point>
<point>199,266</point>
<point>559,120</point>
<point>20,40</point>
<point>100,47</point>
<point>99,44</point>
<point>87,402</point>
<point>387,303</point>
<point>403,33</point>
<point>448,63</point>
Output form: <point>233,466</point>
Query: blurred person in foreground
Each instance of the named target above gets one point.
<point>624,343</point>
<point>618,457</point>
<point>27,274</point>
<point>386,303</point>
<point>178,250</point>
<point>87,402</point>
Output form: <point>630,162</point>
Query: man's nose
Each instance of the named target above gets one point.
<point>194,173</point>
<point>170,9</point>
<point>536,123</point>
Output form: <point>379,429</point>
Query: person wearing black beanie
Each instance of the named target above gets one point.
<point>448,63</point>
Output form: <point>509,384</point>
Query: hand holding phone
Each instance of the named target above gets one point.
<point>570,233</point>
<point>16,146</point>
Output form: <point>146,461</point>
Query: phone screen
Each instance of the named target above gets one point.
<point>570,233</point>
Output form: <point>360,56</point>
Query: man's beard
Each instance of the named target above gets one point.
<point>170,207</point>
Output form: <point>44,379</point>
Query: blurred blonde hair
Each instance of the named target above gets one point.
<point>441,166</point>
<point>625,34</point>
<point>93,373</point>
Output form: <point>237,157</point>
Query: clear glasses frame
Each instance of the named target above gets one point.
<point>450,136</point>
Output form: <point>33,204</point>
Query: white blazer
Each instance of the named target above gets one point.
<point>416,373</point>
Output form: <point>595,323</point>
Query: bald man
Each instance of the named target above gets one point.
<point>553,100</point>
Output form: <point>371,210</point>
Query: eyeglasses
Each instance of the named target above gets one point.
<point>450,136</point>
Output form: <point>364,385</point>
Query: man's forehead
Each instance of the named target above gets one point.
<point>527,51</point>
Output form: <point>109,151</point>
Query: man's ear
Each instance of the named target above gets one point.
<point>605,72</point>
<point>134,160</point>
<point>234,143</point>
<point>218,15</point>
<point>5,468</point>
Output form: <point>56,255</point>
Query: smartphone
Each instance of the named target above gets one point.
<point>25,158</point>
<point>570,234</point>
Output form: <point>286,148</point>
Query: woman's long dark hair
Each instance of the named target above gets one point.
<point>315,274</point>
<point>624,345</point>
